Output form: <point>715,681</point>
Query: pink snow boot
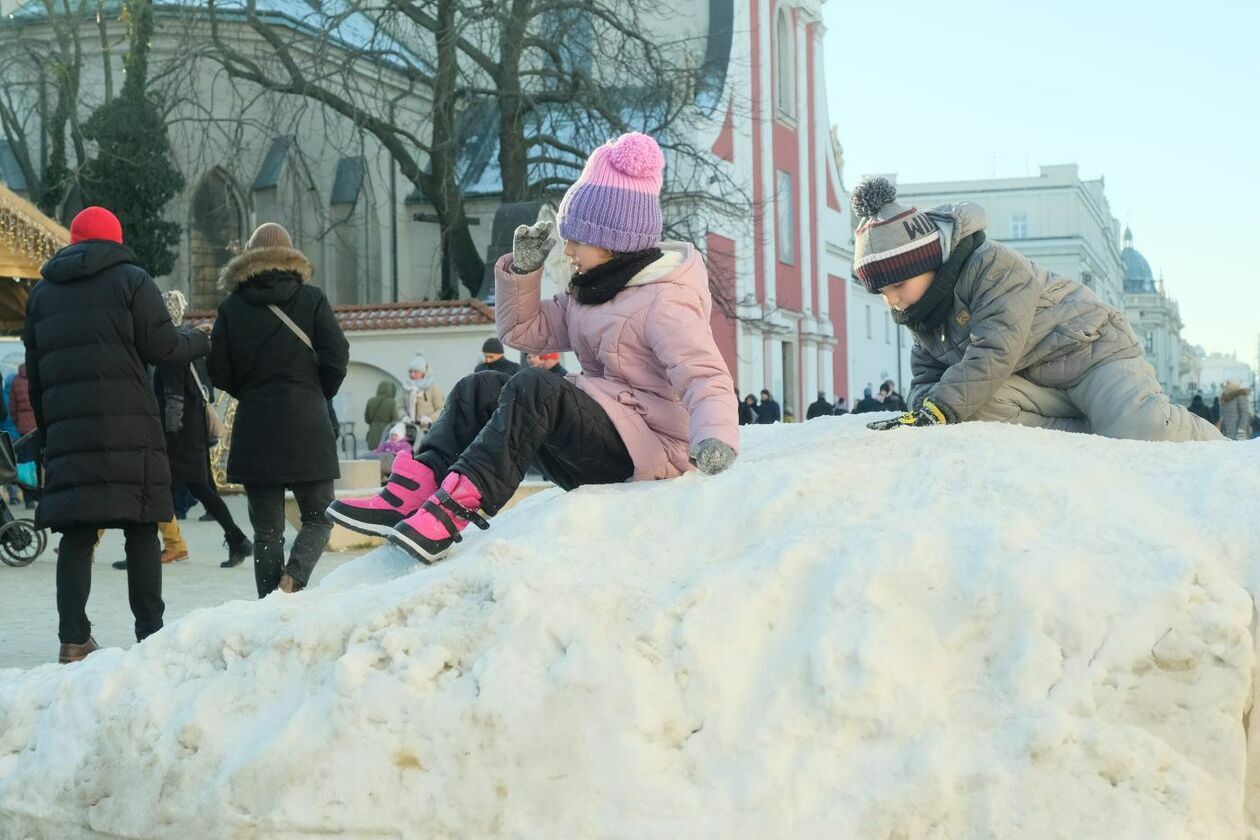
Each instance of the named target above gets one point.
<point>410,483</point>
<point>429,532</point>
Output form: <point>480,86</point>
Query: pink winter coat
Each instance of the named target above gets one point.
<point>648,355</point>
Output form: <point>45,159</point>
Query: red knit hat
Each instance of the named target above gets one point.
<point>550,357</point>
<point>96,223</point>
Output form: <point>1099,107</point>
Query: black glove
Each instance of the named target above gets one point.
<point>927,415</point>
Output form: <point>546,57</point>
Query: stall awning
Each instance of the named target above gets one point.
<point>27,239</point>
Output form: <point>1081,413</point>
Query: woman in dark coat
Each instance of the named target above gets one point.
<point>92,326</point>
<point>183,405</point>
<point>283,435</point>
<point>748,411</point>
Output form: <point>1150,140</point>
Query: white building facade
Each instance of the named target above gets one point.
<point>1056,219</point>
<point>1156,319</point>
<point>788,261</point>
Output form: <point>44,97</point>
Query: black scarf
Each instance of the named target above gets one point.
<point>931,310</point>
<point>603,282</point>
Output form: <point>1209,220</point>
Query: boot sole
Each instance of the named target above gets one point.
<point>417,550</point>
<point>370,529</point>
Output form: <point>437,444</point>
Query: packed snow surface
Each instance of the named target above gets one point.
<point>978,631</point>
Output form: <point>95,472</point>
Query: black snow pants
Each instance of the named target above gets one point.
<point>495,426</point>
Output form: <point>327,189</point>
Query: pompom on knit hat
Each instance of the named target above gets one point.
<point>616,201</point>
<point>95,223</point>
<point>418,362</point>
<point>269,235</point>
<point>176,305</point>
<point>893,242</point>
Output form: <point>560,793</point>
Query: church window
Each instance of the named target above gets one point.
<point>785,204</point>
<point>785,67</point>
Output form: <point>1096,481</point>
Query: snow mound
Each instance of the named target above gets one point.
<point>959,632</point>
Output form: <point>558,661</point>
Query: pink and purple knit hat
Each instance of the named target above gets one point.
<point>616,202</point>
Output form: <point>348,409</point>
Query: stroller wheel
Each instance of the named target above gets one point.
<point>21,542</point>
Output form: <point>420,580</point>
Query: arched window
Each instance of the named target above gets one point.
<point>285,192</point>
<point>215,230</point>
<point>355,253</point>
<point>785,67</point>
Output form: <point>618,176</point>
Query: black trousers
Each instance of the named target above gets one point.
<point>216,507</point>
<point>74,581</point>
<point>495,426</point>
<point>266,514</point>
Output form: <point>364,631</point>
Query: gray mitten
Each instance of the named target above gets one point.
<point>712,456</point>
<point>530,246</point>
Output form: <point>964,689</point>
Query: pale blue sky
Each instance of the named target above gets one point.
<point>1161,98</point>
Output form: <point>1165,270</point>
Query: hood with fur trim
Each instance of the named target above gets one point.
<point>1232,391</point>
<point>257,261</point>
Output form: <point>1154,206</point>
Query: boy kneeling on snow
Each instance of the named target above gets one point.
<point>654,398</point>
<point>997,338</point>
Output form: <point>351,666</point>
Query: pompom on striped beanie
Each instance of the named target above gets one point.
<point>893,242</point>
<point>616,201</point>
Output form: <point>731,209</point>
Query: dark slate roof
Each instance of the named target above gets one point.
<point>273,163</point>
<point>338,19</point>
<point>479,173</point>
<point>348,182</point>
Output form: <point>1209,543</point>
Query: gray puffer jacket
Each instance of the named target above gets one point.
<point>1009,317</point>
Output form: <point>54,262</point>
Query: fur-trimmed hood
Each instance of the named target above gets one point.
<point>258,260</point>
<point>1233,390</point>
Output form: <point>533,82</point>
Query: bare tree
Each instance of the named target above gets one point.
<point>558,77</point>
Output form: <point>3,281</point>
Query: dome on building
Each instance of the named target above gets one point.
<point>1137,271</point>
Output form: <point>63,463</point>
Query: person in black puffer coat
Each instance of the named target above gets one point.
<point>183,391</point>
<point>283,435</point>
<point>92,326</point>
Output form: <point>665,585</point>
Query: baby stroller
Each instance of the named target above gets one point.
<point>20,541</point>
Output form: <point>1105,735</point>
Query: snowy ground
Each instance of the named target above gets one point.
<point>28,607</point>
<point>980,631</point>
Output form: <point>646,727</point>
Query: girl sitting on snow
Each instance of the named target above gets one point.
<point>654,396</point>
<point>997,338</point>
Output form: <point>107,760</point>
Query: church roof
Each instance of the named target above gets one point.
<point>560,130</point>
<point>10,171</point>
<point>1138,278</point>
<point>339,20</point>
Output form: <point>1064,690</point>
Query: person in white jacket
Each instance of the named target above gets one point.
<point>422,398</point>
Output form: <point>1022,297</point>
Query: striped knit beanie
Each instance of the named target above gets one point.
<point>616,202</point>
<point>893,242</point>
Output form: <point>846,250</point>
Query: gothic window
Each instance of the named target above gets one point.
<point>785,67</point>
<point>355,260</point>
<point>216,228</point>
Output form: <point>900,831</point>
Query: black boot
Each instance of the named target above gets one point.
<point>238,552</point>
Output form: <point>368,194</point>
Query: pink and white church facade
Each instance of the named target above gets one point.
<point>790,262</point>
